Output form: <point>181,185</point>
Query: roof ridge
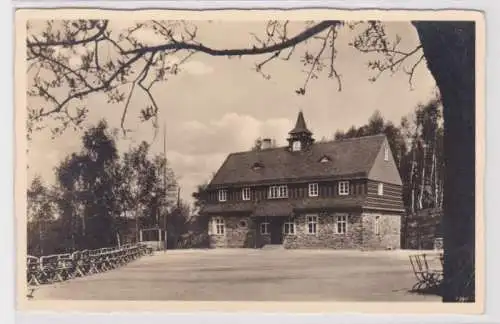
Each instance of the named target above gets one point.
<point>316,143</point>
<point>261,150</point>
<point>359,137</point>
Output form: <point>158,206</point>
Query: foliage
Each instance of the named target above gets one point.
<point>85,57</point>
<point>199,196</point>
<point>40,211</point>
<point>417,146</point>
<point>98,193</point>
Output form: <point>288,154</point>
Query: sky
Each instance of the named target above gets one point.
<point>216,105</point>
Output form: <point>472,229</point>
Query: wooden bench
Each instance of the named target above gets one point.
<point>34,275</point>
<point>61,267</point>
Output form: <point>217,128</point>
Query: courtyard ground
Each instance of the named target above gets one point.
<point>250,275</point>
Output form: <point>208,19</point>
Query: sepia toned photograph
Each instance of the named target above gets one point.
<point>226,156</point>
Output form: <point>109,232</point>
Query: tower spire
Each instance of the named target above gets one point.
<point>300,125</point>
<point>300,136</point>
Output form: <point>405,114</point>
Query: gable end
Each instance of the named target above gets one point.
<point>384,170</point>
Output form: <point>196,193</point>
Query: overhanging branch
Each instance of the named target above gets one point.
<point>241,51</point>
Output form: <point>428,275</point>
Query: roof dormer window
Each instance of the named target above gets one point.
<point>324,159</point>
<point>257,166</point>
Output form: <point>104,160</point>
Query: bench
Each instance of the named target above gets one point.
<point>428,270</point>
<point>61,267</point>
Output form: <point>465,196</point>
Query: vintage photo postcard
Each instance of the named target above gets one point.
<point>284,160</point>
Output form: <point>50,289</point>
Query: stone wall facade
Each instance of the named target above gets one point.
<point>239,232</point>
<point>362,232</point>
<point>387,236</point>
<point>325,236</point>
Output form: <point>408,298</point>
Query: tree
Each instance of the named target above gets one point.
<point>377,125</point>
<point>40,211</point>
<point>200,196</point>
<point>148,187</point>
<point>178,222</point>
<point>86,183</point>
<point>448,48</point>
<point>418,152</point>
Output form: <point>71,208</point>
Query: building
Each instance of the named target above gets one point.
<point>343,194</point>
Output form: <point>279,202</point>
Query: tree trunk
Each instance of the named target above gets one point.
<point>412,185</point>
<point>40,237</point>
<point>449,49</point>
<point>136,227</point>
<point>434,178</point>
<point>422,178</point>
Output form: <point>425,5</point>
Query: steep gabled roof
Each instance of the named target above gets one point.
<point>348,158</point>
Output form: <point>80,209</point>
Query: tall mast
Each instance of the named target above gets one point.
<point>165,180</point>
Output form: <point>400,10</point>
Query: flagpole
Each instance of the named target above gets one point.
<point>165,182</point>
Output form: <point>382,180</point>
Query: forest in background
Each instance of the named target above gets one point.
<point>102,198</point>
<point>417,146</point>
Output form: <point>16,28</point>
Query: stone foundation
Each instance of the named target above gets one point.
<point>244,232</point>
<point>389,236</point>
<point>326,236</point>
<point>239,233</point>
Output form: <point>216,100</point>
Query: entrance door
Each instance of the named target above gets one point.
<point>276,231</point>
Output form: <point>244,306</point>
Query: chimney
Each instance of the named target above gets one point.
<point>266,143</point>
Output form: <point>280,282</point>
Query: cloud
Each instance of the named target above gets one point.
<point>196,68</point>
<point>231,133</point>
<point>203,164</point>
<point>199,148</point>
<point>190,66</point>
<point>193,170</point>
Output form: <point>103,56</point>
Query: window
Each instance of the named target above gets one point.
<point>376,225</point>
<point>386,153</point>
<point>278,192</point>
<point>257,166</point>
<point>222,195</point>
<point>296,146</point>
<point>264,228</point>
<point>245,193</point>
<point>312,224</point>
<point>289,228</point>
<point>380,189</point>
<point>219,226</point>
<point>313,190</point>
<point>341,224</point>
<point>343,188</point>
<point>324,159</point>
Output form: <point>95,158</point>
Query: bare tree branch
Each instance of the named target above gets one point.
<point>100,32</point>
<point>75,63</point>
<point>411,73</point>
<point>242,51</point>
